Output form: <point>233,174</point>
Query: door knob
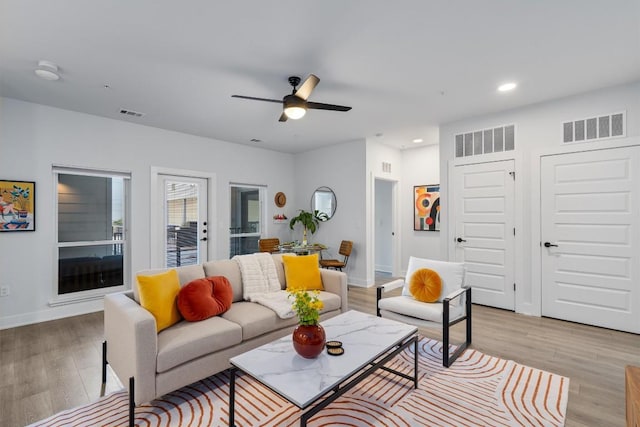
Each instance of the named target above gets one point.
<point>548,245</point>
<point>460,240</point>
<point>204,239</point>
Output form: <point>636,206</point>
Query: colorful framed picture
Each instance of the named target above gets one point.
<point>17,205</point>
<point>426,207</point>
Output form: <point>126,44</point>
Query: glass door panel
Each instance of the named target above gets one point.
<point>184,220</point>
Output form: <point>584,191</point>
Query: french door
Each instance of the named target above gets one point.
<point>184,219</point>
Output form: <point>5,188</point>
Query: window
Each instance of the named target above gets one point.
<point>246,219</point>
<point>91,233</point>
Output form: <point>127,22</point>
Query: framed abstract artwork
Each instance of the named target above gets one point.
<point>17,205</point>
<point>426,207</point>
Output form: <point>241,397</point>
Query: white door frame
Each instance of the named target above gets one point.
<point>536,226</point>
<point>522,299</point>
<point>156,241</point>
<point>395,262</point>
<point>395,221</point>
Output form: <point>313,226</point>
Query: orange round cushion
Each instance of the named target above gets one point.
<point>425,285</point>
<point>204,298</point>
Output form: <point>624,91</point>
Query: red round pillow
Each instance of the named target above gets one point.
<point>204,298</point>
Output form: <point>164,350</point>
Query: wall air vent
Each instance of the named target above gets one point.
<point>485,141</point>
<point>386,167</point>
<point>595,128</point>
<point>131,113</point>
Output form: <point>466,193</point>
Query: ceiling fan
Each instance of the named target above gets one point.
<point>296,105</point>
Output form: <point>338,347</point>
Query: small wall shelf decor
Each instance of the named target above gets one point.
<point>17,205</point>
<point>280,218</point>
<point>426,207</point>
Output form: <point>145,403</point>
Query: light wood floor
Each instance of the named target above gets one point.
<point>51,366</point>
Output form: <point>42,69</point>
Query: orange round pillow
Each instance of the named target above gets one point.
<point>425,285</point>
<point>204,298</point>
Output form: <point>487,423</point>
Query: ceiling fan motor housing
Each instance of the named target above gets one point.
<point>290,101</point>
<point>294,81</point>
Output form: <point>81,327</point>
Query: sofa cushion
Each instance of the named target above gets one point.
<point>229,269</point>
<point>189,273</point>
<point>302,272</point>
<point>330,301</point>
<point>186,341</point>
<point>408,306</point>
<point>277,259</point>
<point>158,295</point>
<point>204,298</point>
<point>186,274</point>
<point>255,319</point>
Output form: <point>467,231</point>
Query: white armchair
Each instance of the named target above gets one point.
<point>453,305</point>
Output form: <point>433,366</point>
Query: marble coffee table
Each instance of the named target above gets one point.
<point>369,343</point>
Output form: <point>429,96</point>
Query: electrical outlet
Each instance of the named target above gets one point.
<point>4,291</point>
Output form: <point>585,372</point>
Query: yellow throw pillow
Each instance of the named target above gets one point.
<point>302,272</point>
<point>425,285</point>
<point>158,294</point>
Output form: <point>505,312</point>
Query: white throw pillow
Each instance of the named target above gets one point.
<point>451,274</point>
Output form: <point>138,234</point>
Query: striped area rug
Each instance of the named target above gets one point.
<point>478,390</point>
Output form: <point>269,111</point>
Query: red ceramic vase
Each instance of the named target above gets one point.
<point>308,340</point>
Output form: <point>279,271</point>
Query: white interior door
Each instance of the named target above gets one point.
<point>184,219</point>
<point>484,230</point>
<point>590,237</point>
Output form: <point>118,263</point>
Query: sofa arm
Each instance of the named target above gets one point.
<point>336,282</point>
<point>132,344</point>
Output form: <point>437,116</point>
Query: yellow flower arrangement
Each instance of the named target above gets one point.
<point>306,305</point>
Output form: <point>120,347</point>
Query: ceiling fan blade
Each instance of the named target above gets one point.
<point>279,101</point>
<point>321,106</point>
<point>283,118</point>
<point>307,87</point>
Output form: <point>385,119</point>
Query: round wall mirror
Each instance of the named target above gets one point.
<point>324,200</point>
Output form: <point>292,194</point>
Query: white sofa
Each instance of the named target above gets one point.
<point>157,363</point>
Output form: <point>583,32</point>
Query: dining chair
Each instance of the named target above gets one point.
<point>345,250</point>
<point>269,245</point>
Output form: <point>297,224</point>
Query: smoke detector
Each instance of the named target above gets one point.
<point>47,70</point>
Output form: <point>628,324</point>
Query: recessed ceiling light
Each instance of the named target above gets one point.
<point>417,140</point>
<point>507,87</point>
<point>47,70</point>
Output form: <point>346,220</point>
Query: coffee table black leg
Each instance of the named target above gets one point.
<point>232,397</point>
<point>415,364</point>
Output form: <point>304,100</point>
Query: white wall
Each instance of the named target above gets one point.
<point>33,137</point>
<point>420,166</point>
<point>341,168</point>
<point>538,131</point>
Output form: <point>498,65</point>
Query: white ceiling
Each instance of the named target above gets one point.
<point>404,66</point>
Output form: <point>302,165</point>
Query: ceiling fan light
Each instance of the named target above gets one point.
<point>295,113</point>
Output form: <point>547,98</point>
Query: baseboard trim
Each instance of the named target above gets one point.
<point>53,313</point>
<point>384,268</point>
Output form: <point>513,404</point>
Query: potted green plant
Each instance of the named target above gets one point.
<point>309,220</point>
